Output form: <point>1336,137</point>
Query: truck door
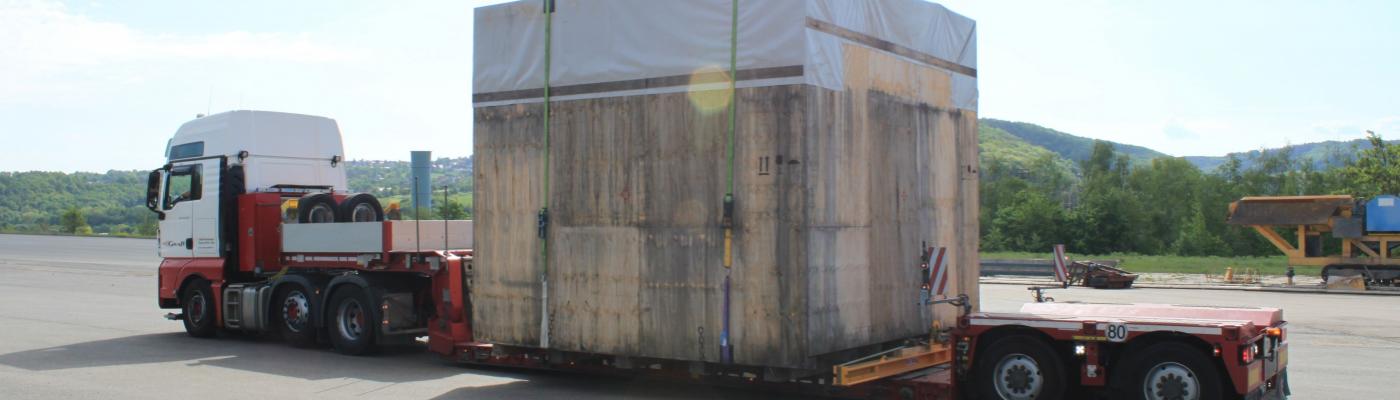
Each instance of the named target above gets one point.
<point>182,189</point>
<point>206,211</point>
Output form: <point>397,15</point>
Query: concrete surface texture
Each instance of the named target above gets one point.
<point>80,321</point>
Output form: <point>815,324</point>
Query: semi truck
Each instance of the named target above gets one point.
<point>260,234</point>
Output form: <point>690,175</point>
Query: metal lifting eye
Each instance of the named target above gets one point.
<point>335,159</point>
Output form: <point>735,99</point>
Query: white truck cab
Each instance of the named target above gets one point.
<point>212,159</point>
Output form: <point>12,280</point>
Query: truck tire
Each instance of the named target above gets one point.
<point>1019,367</point>
<point>351,323</point>
<point>1169,370</point>
<point>197,302</point>
<point>360,207</point>
<point>316,208</point>
<point>294,315</point>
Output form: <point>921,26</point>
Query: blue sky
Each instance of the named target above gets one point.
<point>97,85</point>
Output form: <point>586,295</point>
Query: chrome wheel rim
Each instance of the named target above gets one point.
<point>295,311</point>
<point>1017,377</point>
<point>351,319</point>
<point>1171,381</point>
<point>362,213</point>
<point>321,213</point>
<point>196,313</point>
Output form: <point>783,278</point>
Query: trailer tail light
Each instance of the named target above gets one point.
<point>962,352</point>
<point>1251,352</point>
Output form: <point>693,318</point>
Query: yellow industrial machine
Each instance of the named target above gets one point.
<point>1368,232</point>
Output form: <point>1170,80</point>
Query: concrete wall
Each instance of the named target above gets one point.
<point>826,242</point>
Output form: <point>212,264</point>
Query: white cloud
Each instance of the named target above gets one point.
<point>45,48</point>
<point>1346,130</point>
<point>1176,130</point>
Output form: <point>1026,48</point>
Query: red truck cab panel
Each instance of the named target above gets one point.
<point>259,225</point>
<point>173,273</point>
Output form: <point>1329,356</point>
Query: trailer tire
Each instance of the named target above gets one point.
<point>294,314</point>
<point>1019,367</point>
<point>197,302</point>
<point>1164,370</point>
<point>351,321</point>
<point>360,207</point>
<point>316,208</point>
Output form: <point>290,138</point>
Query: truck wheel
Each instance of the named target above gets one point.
<point>1169,371</point>
<point>292,313</point>
<point>316,208</point>
<point>198,305</point>
<point>1020,367</point>
<point>352,327</point>
<point>361,207</point>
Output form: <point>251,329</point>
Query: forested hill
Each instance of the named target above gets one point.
<point>1074,148</point>
<point>1040,187</point>
<point>1024,166</point>
<point>394,179</point>
<point>1322,154</point>
<point>113,202</point>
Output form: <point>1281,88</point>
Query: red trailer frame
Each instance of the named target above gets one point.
<point>1248,345</point>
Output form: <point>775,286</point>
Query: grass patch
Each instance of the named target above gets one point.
<point>1272,265</point>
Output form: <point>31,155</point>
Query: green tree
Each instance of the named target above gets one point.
<point>1032,222</point>
<point>1376,170</point>
<point>1193,239</point>
<point>1109,217</point>
<point>451,209</point>
<point>73,221</point>
<point>148,227</point>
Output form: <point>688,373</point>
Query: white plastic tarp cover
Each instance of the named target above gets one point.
<point>596,41</point>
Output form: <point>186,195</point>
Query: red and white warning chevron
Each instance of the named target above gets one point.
<point>1061,269</point>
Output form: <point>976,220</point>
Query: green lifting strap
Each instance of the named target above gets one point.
<point>733,93</point>
<point>726,347</point>
<point>544,210</point>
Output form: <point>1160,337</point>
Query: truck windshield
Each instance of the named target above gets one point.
<point>182,185</point>
<point>187,150</point>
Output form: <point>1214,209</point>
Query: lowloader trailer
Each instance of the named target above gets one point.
<point>259,234</point>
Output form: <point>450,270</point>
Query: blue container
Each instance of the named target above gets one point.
<point>422,168</point>
<point>1383,214</point>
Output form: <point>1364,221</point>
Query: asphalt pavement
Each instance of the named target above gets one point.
<point>78,319</point>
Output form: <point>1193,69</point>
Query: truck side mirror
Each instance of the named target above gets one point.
<point>153,192</point>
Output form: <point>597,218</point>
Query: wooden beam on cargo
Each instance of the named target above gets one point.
<point>891,363</point>
<point>1276,239</point>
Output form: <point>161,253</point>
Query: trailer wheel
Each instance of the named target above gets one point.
<point>1172,371</point>
<point>293,315</point>
<point>352,326</point>
<point>1020,367</point>
<point>198,305</point>
<point>361,207</point>
<point>316,208</point>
